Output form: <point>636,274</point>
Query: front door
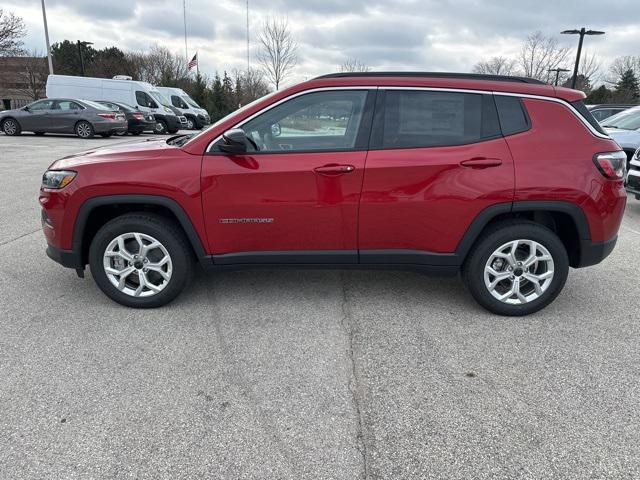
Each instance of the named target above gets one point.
<point>36,119</point>
<point>295,198</point>
<point>437,160</point>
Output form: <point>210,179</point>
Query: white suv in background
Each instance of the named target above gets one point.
<point>197,117</point>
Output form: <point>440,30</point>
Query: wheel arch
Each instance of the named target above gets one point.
<point>566,219</point>
<point>96,211</point>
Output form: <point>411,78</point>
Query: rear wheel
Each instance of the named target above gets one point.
<point>11,127</point>
<point>84,129</point>
<point>516,268</point>
<point>141,260</point>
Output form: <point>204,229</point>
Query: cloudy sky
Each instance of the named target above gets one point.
<point>444,35</point>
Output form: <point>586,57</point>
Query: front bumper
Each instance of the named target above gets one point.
<point>593,253</point>
<point>633,179</point>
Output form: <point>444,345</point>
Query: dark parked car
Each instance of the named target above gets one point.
<point>507,179</point>
<point>606,110</point>
<point>63,115</point>
<point>138,121</point>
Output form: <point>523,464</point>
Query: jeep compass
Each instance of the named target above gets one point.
<point>506,180</point>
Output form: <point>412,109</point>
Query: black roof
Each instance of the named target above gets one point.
<point>466,76</point>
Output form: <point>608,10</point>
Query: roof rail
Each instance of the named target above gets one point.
<point>465,76</point>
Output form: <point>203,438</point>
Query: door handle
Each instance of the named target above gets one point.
<point>334,169</point>
<point>481,162</point>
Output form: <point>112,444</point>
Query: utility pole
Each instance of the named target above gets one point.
<point>582,32</point>
<point>80,45</point>
<point>46,36</point>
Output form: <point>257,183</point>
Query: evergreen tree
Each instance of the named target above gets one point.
<point>627,89</point>
<point>600,95</point>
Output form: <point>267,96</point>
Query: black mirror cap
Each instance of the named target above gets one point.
<point>234,141</point>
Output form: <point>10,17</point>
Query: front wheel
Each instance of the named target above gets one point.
<point>161,127</point>
<point>191,124</point>
<point>141,260</point>
<point>516,268</point>
<point>11,127</point>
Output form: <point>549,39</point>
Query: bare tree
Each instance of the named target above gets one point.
<point>354,65</point>
<point>33,75</point>
<point>621,65</point>
<point>12,30</point>
<point>278,50</point>
<point>159,66</point>
<point>539,54</point>
<point>590,66</point>
<point>496,66</point>
<point>250,85</point>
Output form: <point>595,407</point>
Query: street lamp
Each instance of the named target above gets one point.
<point>582,32</point>
<point>558,70</point>
<point>80,45</point>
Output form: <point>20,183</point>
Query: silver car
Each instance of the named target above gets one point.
<point>624,128</point>
<point>63,115</point>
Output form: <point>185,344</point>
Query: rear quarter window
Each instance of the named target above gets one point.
<point>586,114</point>
<point>512,114</point>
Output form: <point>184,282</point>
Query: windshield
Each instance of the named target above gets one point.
<point>627,120</point>
<point>191,101</point>
<point>96,105</point>
<point>161,99</point>
<point>224,119</point>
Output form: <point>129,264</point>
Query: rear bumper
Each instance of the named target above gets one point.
<point>110,127</point>
<point>593,253</point>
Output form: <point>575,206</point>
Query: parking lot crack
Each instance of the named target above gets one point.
<point>7,242</point>
<point>350,329</point>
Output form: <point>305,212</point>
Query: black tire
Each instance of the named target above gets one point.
<point>84,129</point>
<point>39,134</point>
<point>192,124</point>
<point>174,131</point>
<point>161,127</point>
<point>498,235</point>
<point>11,127</point>
<point>167,233</point>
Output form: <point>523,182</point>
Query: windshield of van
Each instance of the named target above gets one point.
<point>627,120</point>
<point>191,101</point>
<point>224,119</point>
<point>161,99</point>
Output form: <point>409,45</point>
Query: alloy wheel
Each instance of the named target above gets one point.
<point>137,264</point>
<point>190,124</point>
<point>10,127</point>
<point>83,130</point>
<point>519,272</point>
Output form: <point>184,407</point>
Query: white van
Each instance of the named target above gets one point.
<point>141,95</point>
<point>197,117</point>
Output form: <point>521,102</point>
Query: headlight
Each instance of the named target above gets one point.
<point>57,178</point>
<point>168,110</point>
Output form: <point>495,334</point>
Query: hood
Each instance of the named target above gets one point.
<point>175,111</point>
<point>151,149</point>
<point>629,139</point>
<point>10,112</point>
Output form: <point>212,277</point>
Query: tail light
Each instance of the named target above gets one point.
<point>110,116</point>
<point>613,165</point>
<point>138,116</point>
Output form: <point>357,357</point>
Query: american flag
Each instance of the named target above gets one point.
<point>193,62</point>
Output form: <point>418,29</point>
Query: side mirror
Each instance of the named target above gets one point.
<point>234,141</point>
<point>276,130</point>
<point>26,108</point>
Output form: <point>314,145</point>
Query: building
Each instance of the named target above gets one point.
<point>22,80</point>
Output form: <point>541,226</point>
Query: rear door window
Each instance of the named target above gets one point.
<point>66,105</point>
<point>416,119</point>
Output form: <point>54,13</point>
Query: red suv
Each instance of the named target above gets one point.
<point>506,179</point>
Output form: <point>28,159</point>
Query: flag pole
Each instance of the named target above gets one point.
<point>184,13</point>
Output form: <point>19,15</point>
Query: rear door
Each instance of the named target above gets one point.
<point>64,116</point>
<point>437,159</point>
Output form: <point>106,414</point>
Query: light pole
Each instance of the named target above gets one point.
<point>558,70</point>
<point>582,32</point>
<point>46,36</point>
<point>80,45</point>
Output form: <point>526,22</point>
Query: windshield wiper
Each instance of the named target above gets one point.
<point>179,140</point>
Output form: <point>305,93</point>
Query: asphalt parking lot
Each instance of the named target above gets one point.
<point>307,374</point>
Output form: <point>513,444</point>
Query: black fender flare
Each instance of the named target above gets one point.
<point>89,205</point>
